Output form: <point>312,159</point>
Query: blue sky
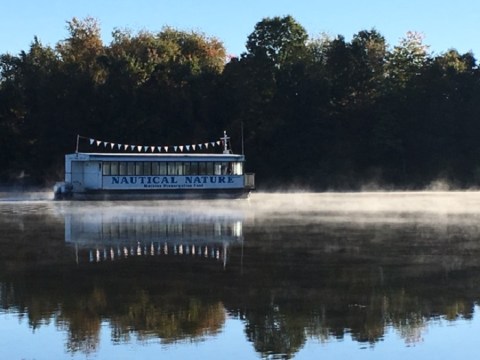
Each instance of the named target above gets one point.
<point>445,23</point>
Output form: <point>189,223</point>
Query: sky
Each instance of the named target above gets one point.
<point>445,24</point>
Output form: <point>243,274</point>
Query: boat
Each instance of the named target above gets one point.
<point>155,175</point>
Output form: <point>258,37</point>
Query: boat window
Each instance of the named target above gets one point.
<point>114,168</point>
<point>106,168</point>
<point>202,168</point>
<point>147,168</point>
<point>122,168</point>
<point>155,168</point>
<point>139,168</point>
<point>225,168</point>
<point>180,168</point>
<point>194,168</point>
<point>210,168</point>
<point>131,168</point>
<point>187,168</point>
<point>171,168</point>
<point>217,168</point>
<point>237,168</point>
<point>163,168</point>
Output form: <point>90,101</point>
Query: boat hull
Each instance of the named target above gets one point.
<point>155,194</point>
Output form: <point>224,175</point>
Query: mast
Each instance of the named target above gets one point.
<point>225,139</point>
<point>242,141</point>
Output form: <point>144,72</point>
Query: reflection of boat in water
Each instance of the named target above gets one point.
<point>113,235</point>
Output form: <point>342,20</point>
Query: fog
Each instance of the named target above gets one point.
<point>432,206</point>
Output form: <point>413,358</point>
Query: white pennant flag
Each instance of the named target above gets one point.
<point>152,148</point>
<point>119,146</point>
<point>112,145</point>
<point>105,144</point>
<point>188,147</point>
<point>145,148</point>
<point>98,142</point>
<point>166,148</point>
<point>219,142</point>
<point>206,145</point>
<point>213,143</point>
<point>200,146</point>
<point>175,148</point>
<point>139,148</point>
<point>92,141</point>
<point>125,147</point>
<point>181,148</point>
<point>193,147</point>
<point>132,147</point>
<point>159,148</point>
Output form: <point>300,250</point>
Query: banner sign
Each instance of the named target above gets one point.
<point>172,182</point>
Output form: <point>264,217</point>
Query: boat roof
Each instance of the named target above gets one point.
<point>155,156</point>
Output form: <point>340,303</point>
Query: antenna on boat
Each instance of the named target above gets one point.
<point>225,139</point>
<point>242,138</point>
<point>76,148</point>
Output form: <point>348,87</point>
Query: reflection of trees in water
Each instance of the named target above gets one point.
<point>292,284</point>
<point>282,306</point>
<point>134,301</point>
<point>275,333</point>
<point>167,318</point>
<point>327,286</point>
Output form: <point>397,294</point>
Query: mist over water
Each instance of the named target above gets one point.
<point>433,202</point>
<point>280,275</point>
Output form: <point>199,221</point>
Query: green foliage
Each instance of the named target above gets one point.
<point>324,113</point>
<point>278,40</point>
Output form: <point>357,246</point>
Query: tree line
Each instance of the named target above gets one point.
<point>321,112</point>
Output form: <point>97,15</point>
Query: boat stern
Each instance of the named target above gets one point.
<point>62,191</point>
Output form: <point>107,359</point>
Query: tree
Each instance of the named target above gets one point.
<point>278,40</point>
<point>407,59</point>
<point>83,47</point>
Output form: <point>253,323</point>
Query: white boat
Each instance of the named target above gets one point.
<point>149,176</point>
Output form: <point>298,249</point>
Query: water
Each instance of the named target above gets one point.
<point>365,276</point>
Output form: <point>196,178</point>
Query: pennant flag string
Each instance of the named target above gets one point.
<point>151,148</point>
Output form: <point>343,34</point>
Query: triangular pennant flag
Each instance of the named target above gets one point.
<point>213,143</point>
<point>98,142</point>
<point>175,148</point>
<point>193,147</point>
<point>92,141</point>
<point>132,147</point>
<point>125,147</point>
<point>105,144</point>
<point>159,148</point>
<point>206,145</point>
<point>218,142</point>
<point>188,147</point>
<point>181,148</point>
<point>119,146</point>
<point>139,148</point>
<point>145,148</point>
<point>200,146</point>
<point>152,148</point>
<point>112,145</point>
<point>166,148</point>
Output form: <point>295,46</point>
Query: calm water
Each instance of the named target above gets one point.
<point>361,276</point>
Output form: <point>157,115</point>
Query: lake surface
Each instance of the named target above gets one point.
<point>304,276</point>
